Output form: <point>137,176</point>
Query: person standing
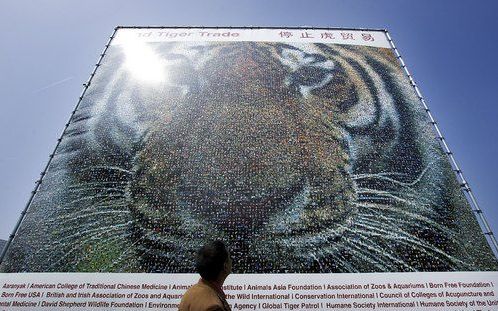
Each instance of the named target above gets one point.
<point>214,264</point>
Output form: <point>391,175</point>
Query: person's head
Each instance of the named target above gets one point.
<point>213,261</point>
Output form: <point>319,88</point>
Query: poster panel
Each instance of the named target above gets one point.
<point>305,150</point>
<point>339,291</point>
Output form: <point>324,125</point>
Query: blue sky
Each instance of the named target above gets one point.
<point>48,49</point>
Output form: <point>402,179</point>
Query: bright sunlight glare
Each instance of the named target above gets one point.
<point>143,63</point>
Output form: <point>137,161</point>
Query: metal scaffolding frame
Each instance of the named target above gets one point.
<point>486,229</point>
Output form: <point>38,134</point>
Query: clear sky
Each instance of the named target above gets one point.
<point>48,49</point>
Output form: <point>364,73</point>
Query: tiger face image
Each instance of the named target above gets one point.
<point>301,157</point>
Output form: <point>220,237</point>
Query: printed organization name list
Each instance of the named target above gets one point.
<point>253,295</point>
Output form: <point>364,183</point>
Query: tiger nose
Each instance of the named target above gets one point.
<point>248,208</point>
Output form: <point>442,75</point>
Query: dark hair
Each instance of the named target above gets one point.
<point>211,259</point>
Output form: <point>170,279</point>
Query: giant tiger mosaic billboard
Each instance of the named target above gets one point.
<point>304,150</point>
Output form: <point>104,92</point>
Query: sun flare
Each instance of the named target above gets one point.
<point>143,62</point>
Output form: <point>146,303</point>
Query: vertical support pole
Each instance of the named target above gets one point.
<point>51,156</point>
<point>488,233</point>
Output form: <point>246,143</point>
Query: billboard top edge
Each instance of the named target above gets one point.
<point>252,27</point>
<point>132,35</point>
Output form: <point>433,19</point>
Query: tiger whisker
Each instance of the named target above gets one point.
<point>382,177</point>
<point>417,243</point>
<point>82,215</point>
<point>96,189</point>
<point>121,256</point>
<point>383,254</point>
<point>102,241</point>
<point>100,230</point>
<point>106,197</point>
<point>420,223</point>
<point>73,249</point>
<point>384,194</point>
<point>116,168</point>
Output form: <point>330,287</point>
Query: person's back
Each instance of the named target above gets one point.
<point>201,297</point>
<point>214,265</point>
